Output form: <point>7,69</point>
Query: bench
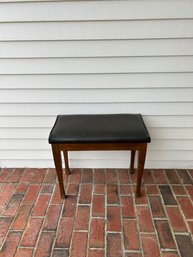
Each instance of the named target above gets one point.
<point>99,132</point>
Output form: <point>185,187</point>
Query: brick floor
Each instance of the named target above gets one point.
<point>100,216</point>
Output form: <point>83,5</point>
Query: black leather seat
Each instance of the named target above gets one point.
<point>99,128</point>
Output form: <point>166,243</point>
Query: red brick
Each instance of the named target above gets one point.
<point>176,220</point>
<point>156,207</point>
<point>184,176</point>
<point>70,206</point>
<point>28,176</point>
<point>150,245</point>
<point>45,244</point>
<point>1,208</point>
<point>21,188</point>
<point>130,234</point>
<point>160,176</point>
<point>96,253</point>
<point>52,217</point>
<point>147,177</point>
<point>24,252</point>
<point>123,176</point>
<point>80,239</point>
<point>112,194</point>
<point>127,207</point>
<point>47,188</point>
<point>133,254</point>
<point>167,195</point>
<point>97,233</point>
<point>74,178</point>
<point>82,217</point>
<point>125,190</point>
<point>72,189</point>
<point>144,219</point>
<point>164,233</point>
<point>13,205</point>
<point>189,189</point>
<point>31,233</point>
<point>87,176</point>
<point>2,185</point>
<point>172,176</point>
<point>142,199</point>
<point>190,225</point>
<point>185,245</point>
<point>39,176</point>
<point>56,199</point>
<point>170,254</point>
<point>111,176</point>
<point>85,194</point>
<point>190,171</point>
<point>41,205</point>
<point>113,219</point>
<point>64,233</point>
<point>99,176</point>
<point>186,207</point>
<point>5,223</point>
<point>98,206</point>
<point>5,174</point>
<point>114,248</point>
<point>12,242</point>
<point>6,194</point>
<point>151,189</point>
<point>133,177</point>
<point>16,175</point>
<point>60,253</point>
<point>50,176</point>
<point>99,189</point>
<point>179,190</point>
<point>31,194</point>
<point>22,217</point>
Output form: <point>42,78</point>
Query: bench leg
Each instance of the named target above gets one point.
<point>132,170</point>
<point>141,163</point>
<point>67,170</point>
<point>58,165</point>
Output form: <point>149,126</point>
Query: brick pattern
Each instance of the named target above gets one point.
<point>100,217</point>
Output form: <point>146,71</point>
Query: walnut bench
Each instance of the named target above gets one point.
<point>99,132</point>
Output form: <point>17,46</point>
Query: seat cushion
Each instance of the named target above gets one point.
<point>99,128</point>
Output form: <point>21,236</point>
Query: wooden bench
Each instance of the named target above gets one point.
<point>99,132</point>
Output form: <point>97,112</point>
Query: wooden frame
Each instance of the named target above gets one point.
<point>133,147</point>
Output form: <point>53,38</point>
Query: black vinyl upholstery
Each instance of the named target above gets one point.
<point>99,128</point>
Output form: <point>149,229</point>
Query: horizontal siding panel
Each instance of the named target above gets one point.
<point>95,163</point>
<point>169,145</point>
<point>55,109</point>
<point>97,65</point>
<point>47,122</point>
<point>69,57</point>
<point>171,133</point>
<point>42,133</point>
<point>42,144</point>
<point>152,155</point>
<point>97,95</point>
<point>96,30</point>
<point>45,49</point>
<point>91,10</point>
<point>140,80</point>
<point>169,121</point>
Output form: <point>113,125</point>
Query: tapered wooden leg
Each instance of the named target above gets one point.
<point>58,165</point>
<point>132,170</point>
<point>67,170</point>
<point>141,163</point>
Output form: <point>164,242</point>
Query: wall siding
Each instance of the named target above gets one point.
<point>66,57</point>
